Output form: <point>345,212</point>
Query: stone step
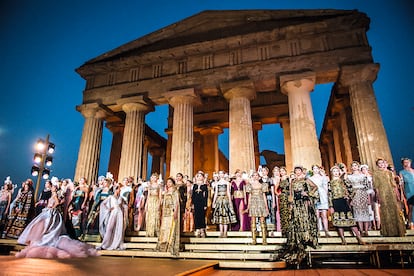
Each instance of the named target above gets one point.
<point>252,265</point>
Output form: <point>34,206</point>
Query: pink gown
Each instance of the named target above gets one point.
<point>45,238</point>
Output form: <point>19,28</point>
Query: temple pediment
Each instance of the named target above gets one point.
<point>214,25</point>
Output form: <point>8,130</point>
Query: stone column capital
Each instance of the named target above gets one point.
<point>212,130</point>
<point>257,125</point>
<point>183,96</point>
<point>300,81</point>
<point>238,89</point>
<point>135,103</point>
<point>115,127</point>
<point>284,120</point>
<point>156,151</point>
<point>351,74</point>
<point>93,110</point>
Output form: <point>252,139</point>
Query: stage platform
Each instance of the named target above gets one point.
<point>114,266</point>
<point>237,252</point>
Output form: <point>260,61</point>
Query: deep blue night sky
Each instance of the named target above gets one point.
<point>44,41</point>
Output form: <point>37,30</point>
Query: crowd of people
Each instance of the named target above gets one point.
<point>300,204</point>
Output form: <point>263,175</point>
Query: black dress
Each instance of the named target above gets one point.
<point>199,198</point>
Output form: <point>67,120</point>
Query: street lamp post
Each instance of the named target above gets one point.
<point>42,161</point>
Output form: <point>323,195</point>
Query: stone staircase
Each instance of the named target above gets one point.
<point>236,251</point>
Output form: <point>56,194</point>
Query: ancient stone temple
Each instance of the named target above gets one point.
<point>238,70</point>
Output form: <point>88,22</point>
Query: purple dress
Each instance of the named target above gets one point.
<point>243,220</point>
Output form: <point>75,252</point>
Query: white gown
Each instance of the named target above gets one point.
<point>113,215</point>
<point>45,238</point>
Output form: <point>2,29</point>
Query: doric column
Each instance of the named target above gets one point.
<point>90,146</point>
<point>256,127</point>
<point>328,141</point>
<point>370,131</point>
<point>210,149</point>
<point>241,146</point>
<point>168,154</point>
<point>156,164</point>
<point>304,141</point>
<point>284,122</point>
<point>345,136</point>
<point>135,109</point>
<point>325,158</point>
<point>144,171</point>
<point>116,147</point>
<point>182,137</point>
<point>337,141</point>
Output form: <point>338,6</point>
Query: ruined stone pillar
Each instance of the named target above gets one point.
<point>284,122</point>
<point>135,109</point>
<point>162,164</point>
<point>345,137</point>
<point>156,154</point>
<point>256,127</point>
<point>325,158</point>
<point>241,146</point>
<point>331,154</point>
<point>144,173</point>
<point>336,140</point>
<point>87,164</point>
<point>370,131</point>
<point>182,137</point>
<point>116,148</point>
<point>168,154</point>
<point>210,149</point>
<point>304,141</point>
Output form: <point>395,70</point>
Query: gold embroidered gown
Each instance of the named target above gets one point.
<point>392,224</point>
<point>152,218</point>
<point>169,238</point>
<point>303,227</point>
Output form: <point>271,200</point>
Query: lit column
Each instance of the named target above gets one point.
<point>116,147</point>
<point>144,172</point>
<point>304,141</point>
<point>325,158</point>
<point>284,122</point>
<point>241,146</point>
<point>156,164</point>
<point>370,131</point>
<point>336,140</point>
<point>135,109</point>
<point>331,156</point>
<point>256,127</point>
<point>183,134</point>
<point>345,136</point>
<point>209,137</point>
<point>87,164</point>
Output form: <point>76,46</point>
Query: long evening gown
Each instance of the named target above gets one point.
<point>392,223</point>
<point>22,213</point>
<point>240,205</point>
<point>113,219</point>
<point>302,229</point>
<point>284,205</point>
<point>152,217</point>
<point>169,237</point>
<point>199,199</point>
<point>45,237</point>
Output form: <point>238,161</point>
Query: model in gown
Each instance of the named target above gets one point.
<point>45,236</point>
